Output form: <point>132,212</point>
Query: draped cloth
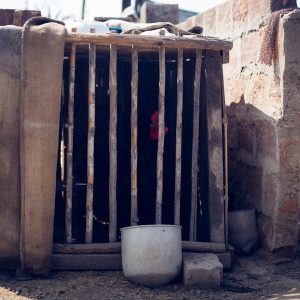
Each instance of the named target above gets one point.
<point>31,61</point>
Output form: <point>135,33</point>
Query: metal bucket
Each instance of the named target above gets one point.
<point>151,254</point>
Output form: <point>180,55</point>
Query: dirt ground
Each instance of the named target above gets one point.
<point>259,276</point>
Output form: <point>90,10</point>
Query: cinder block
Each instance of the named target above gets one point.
<point>202,270</point>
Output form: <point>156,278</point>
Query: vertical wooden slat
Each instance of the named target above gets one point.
<point>69,183</point>
<point>225,123</point>
<point>113,144</point>
<point>195,146</point>
<point>214,86</point>
<point>178,137</point>
<point>134,129</point>
<point>161,134</point>
<point>90,144</point>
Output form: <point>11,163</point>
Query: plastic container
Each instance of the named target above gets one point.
<point>151,254</point>
<point>84,27</point>
<point>243,233</point>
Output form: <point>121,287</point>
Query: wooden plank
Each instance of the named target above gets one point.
<point>134,129</point>
<point>87,262</point>
<point>113,144</point>
<point>161,135</point>
<point>178,137</point>
<point>105,261</point>
<point>69,179</point>
<point>90,145</point>
<point>204,43</point>
<point>87,248</point>
<point>203,247</point>
<point>116,248</point>
<point>214,86</point>
<point>226,196</point>
<point>195,146</point>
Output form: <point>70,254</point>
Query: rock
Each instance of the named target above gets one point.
<point>202,270</point>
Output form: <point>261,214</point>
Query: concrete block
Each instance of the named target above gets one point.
<point>202,270</point>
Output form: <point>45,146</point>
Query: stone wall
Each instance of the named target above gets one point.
<point>263,105</point>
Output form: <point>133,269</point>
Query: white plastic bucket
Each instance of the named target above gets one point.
<point>151,254</point>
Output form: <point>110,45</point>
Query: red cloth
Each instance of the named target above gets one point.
<point>154,127</point>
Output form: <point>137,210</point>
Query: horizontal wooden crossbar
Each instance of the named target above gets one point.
<point>116,248</point>
<point>204,43</point>
<point>106,261</point>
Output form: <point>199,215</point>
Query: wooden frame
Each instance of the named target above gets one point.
<point>207,50</point>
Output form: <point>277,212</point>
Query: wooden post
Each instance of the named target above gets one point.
<point>69,184</point>
<point>161,134</point>
<point>90,144</point>
<point>195,147</point>
<point>214,98</point>
<point>113,144</point>
<point>134,129</point>
<point>178,137</point>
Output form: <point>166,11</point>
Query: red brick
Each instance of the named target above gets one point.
<point>210,18</point>
<point>269,198</point>
<point>234,66</point>
<point>266,138</point>
<point>250,48</point>
<point>225,19</point>
<point>246,135</point>
<point>240,15</point>
<point>258,90</point>
<point>199,20</point>
<point>258,8</point>
<point>288,152</point>
<point>290,206</point>
<point>234,90</point>
<point>246,181</point>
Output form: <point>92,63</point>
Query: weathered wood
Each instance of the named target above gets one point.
<point>178,137</point>
<point>214,79</point>
<point>203,247</point>
<point>226,182</point>
<point>204,43</point>
<point>113,144</point>
<point>195,146</point>
<point>134,129</point>
<point>105,261</point>
<point>87,262</point>
<point>87,248</point>
<point>90,144</point>
<point>69,179</point>
<point>116,248</point>
<point>161,135</point>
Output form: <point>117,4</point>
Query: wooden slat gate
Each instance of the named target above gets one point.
<point>210,51</point>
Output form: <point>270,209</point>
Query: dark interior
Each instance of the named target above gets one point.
<point>147,148</point>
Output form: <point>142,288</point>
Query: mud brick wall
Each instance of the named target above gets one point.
<point>263,105</point>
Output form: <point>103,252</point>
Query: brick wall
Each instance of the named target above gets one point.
<point>263,105</point>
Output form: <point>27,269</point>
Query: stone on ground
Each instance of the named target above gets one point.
<point>202,270</point>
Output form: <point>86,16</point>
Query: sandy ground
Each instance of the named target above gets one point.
<point>256,277</point>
